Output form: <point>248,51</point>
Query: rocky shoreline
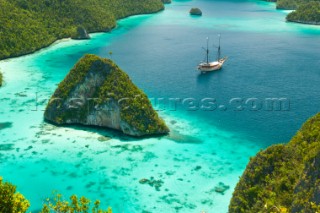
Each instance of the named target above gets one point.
<point>304,22</point>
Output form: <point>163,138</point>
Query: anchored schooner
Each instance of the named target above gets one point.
<point>208,66</point>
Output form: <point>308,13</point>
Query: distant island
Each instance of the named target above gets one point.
<point>27,26</point>
<point>44,22</point>
<point>97,92</point>
<point>284,177</point>
<point>306,12</point>
<point>195,12</point>
<point>288,4</point>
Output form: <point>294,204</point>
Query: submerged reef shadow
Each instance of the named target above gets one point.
<point>181,138</point>
<point>107,132</point>
<point>6,147</point>
<point>5,125</point>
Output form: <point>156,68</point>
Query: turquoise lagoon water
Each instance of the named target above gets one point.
<point>268,58</point>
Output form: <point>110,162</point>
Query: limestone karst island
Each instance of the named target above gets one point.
<point>97,92</point>
<point>159,106</point>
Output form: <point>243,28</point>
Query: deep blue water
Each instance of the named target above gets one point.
<point>268,58</point>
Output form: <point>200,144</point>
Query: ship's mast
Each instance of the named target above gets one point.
<point>207,50</point>
<point>219,49</point>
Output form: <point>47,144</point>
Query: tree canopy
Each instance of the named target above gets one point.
<point>12,201</point>
<point>284,177</point>
<point>28,25</point>
<point>308,13</point>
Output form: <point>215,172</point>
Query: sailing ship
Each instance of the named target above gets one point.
<point>208,66</point>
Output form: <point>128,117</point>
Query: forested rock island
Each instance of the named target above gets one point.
<point>97,92</point>
<point>195,12</point>
<point>27,26</point>
<point>306,12</point>
<point>284,177</point>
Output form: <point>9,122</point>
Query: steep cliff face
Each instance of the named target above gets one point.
<point>80,34</point>
<point>283,178</point>
<point>97,92</point>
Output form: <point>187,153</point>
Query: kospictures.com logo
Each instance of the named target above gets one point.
<point>170,104</point>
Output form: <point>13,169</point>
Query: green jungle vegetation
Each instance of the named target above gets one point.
<point>12,201</point>
<point>140,113</point>
<point>289,4</point>
<point>308,13</point>
<point>28,25</point>
<point>292,4</point>
<point>117,85</point>
<point>284,177</point>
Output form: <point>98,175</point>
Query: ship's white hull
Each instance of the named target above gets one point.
<point>211,66</point>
